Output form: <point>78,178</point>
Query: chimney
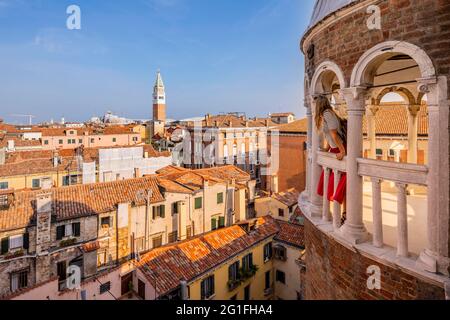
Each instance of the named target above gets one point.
<point>2,156</point>
<point>43,221</point>
<point>46,183</point>
<point>11,145</point>
<point>137,173</point>
<point>55,160</point>
<point>267,122</point>
<point>146,154</point>
<point>184,290</point>
<point>246,124</point>
<point>274,184</point>
<point>182,220</point>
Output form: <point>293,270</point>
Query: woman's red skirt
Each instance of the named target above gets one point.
<point>339,195</point>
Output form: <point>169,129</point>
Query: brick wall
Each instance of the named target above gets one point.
<point>292,162</point>
<point>424,23</point>
<point>336,272</point>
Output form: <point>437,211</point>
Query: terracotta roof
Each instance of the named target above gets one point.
<point>41,161</point>
<point>19,143</point>
<point>234,121</point>
<point>393,120</point>
<point>116,129</point>
<point>173,186</point>
<point>289,197</point>
<point>292,234</point>
<point>282,114</point>
<point>228,173</point>
<point>192,258</point>
<point>194,179</point>
<point>299,126</point>
<point>34,166</point>
<point>80,200</point>
<point>171,169</point>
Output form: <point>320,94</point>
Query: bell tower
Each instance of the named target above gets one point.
<point>159,100</point>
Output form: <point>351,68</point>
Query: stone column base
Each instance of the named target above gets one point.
<point>355,234</point>
<point>427,261</point>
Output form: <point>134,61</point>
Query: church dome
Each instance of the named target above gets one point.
<point>324,8</point>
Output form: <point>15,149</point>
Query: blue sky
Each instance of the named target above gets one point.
<point>214,55</point>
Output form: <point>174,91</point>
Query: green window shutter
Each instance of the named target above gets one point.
<point>213,289</point>
<point>5,245</point>
<point>154,213</point>
<point>221,222</point>
<point>213,224</point>
<point>203,290</point>
<point>60,230</point>
<point>198,203</point>
<point>76,229</point>
<point>26,241</point>
<point>219,198</point>
<point>163,211</point>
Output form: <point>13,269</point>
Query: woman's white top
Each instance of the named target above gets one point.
<point>330,122</point>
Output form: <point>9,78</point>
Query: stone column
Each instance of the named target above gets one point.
<point>377,213</point>
<point>435,258</point>
<point>308,146</point>
<point>336,205</point>
<point>413,128</point>
<point>402,221</point>
<point>325,203</point>
<point>316,170</point>
<point>353,229</point>
<point>371,130</point>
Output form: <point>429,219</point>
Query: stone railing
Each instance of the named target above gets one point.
<point>329,163</point>
<point>402,175</point>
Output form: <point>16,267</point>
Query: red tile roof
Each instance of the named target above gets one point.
<point>291,234</point>
<point>192,258</point>
<point>80,200</point>
<point>393,120</point>
<point>289,197</point>
<point>299,126</point>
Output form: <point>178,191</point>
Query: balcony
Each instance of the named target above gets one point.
<point>395,211</point>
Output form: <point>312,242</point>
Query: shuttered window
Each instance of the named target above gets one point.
<point>221,222</point>
<point>220,198</point>
<point>233,271</point>
<point>267,252</point>
<point>159,212</point>
<point>198,203</point>
<point>207,288</point>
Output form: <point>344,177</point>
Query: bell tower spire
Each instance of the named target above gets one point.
<point>159,99</point>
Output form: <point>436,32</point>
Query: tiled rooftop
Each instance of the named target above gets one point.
<point>80,200</point>
<point>291,234</point>
<point>298,126</point>
<point>289,197</point>
<point>192,258</point>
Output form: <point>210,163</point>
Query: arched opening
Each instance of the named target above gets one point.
<point>395,129</point>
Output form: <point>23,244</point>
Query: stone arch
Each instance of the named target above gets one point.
<point>364,70</point>
<point>403,92</point>
<point>326,71</point>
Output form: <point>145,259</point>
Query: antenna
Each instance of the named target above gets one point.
<point>29,116</point>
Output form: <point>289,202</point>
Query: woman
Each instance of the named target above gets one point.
<point>328,122</point>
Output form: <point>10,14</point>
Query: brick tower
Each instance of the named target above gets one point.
<point>159,100</point>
